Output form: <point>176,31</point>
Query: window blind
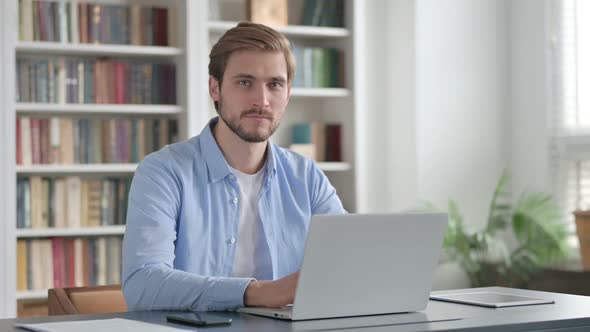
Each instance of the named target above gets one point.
<point>570,95</point>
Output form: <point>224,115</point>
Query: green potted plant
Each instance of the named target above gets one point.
<point>534,223</point>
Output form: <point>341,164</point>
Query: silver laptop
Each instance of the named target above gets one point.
<point>356,265</point>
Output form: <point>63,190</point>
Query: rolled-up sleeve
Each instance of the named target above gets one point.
<point>324,199</point>
<point>150,281</point>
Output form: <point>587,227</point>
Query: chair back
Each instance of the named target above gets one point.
<point>86,300</point>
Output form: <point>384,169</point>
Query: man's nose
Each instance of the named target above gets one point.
<point>260,97</point>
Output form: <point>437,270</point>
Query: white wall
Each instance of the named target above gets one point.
<point>462,108</point>
<point>437,102</point>
<point>462,102</point>
<point>389,157</point>
<point>530,106</point>
<point>438,107</point>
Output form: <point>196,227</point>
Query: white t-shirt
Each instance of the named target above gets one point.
<point>252,258</point>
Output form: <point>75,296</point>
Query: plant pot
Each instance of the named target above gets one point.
<point>583,230</point>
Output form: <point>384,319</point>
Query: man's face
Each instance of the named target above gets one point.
<point>253,95</point>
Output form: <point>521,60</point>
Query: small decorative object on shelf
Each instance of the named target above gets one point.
<point>269,12</point>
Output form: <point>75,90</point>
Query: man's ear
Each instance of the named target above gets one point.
<point>214,88</point>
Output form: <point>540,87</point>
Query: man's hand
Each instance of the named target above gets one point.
<point>272,294</point>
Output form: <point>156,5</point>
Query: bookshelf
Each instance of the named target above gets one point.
<point>193,109</point>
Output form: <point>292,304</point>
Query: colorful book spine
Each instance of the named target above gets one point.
<point>68,262</point>
<point>93,81</point>
<point>326,140</point>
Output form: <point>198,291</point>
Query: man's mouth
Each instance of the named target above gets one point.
<point>258,116</point>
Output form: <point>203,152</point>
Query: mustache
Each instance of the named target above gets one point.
<point>258,112</point>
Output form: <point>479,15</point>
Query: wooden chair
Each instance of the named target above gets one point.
<point>86,300</point>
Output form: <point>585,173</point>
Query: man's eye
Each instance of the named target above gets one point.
<point>276,85</point>
<point>244,83</point>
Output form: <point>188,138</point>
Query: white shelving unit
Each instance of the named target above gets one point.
<point>102,169</point>
<point>189,122</point>
<point>68,232</point>
<point>320,92</point>
<point>111,109</point>
<point>329,105</point>
<point>119,169</point>
<point>96,50</point>
<point>335,166</point>
<point>219,27</point>
<point>194,34</point>
<point>32,295</point>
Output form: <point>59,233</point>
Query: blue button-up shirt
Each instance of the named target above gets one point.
<point>182,223</point>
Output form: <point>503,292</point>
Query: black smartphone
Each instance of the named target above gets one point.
<point>198,319</point>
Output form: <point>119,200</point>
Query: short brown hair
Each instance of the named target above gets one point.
<point>249,36</point>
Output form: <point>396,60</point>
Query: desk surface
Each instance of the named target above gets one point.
<point>569,313</point>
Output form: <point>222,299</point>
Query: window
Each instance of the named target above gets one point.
<point>570,121</point>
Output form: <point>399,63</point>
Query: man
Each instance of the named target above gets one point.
<point>219,221</point>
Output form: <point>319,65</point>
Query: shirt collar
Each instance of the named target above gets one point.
<point>217,165</point>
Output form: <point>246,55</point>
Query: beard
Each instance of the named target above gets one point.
<point>252,136</point>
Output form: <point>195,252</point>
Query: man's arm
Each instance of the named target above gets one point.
<point>150,281</point>
<point>324,199</point>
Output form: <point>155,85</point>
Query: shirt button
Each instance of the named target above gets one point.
<point>231,240</point>
<point>232,177</point>
<point>235,200</point>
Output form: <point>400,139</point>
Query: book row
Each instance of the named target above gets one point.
<point>94,81</point>
<point>82,22</point>
<point>318,141</point>
<point>68,262</point>
<point>319,67</point>
<point>64,140</point>
<point>71,202</point>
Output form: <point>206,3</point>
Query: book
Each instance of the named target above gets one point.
<point>333,142</point>
<point>21,265</point>
<point>73,184</point>
<point>25,141</point>
<point>60,204</point>
<point>78,263</point>
<point>46,264</point>
<point>36,201</point>
<point>326,143</point>
<point>59,268</point>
